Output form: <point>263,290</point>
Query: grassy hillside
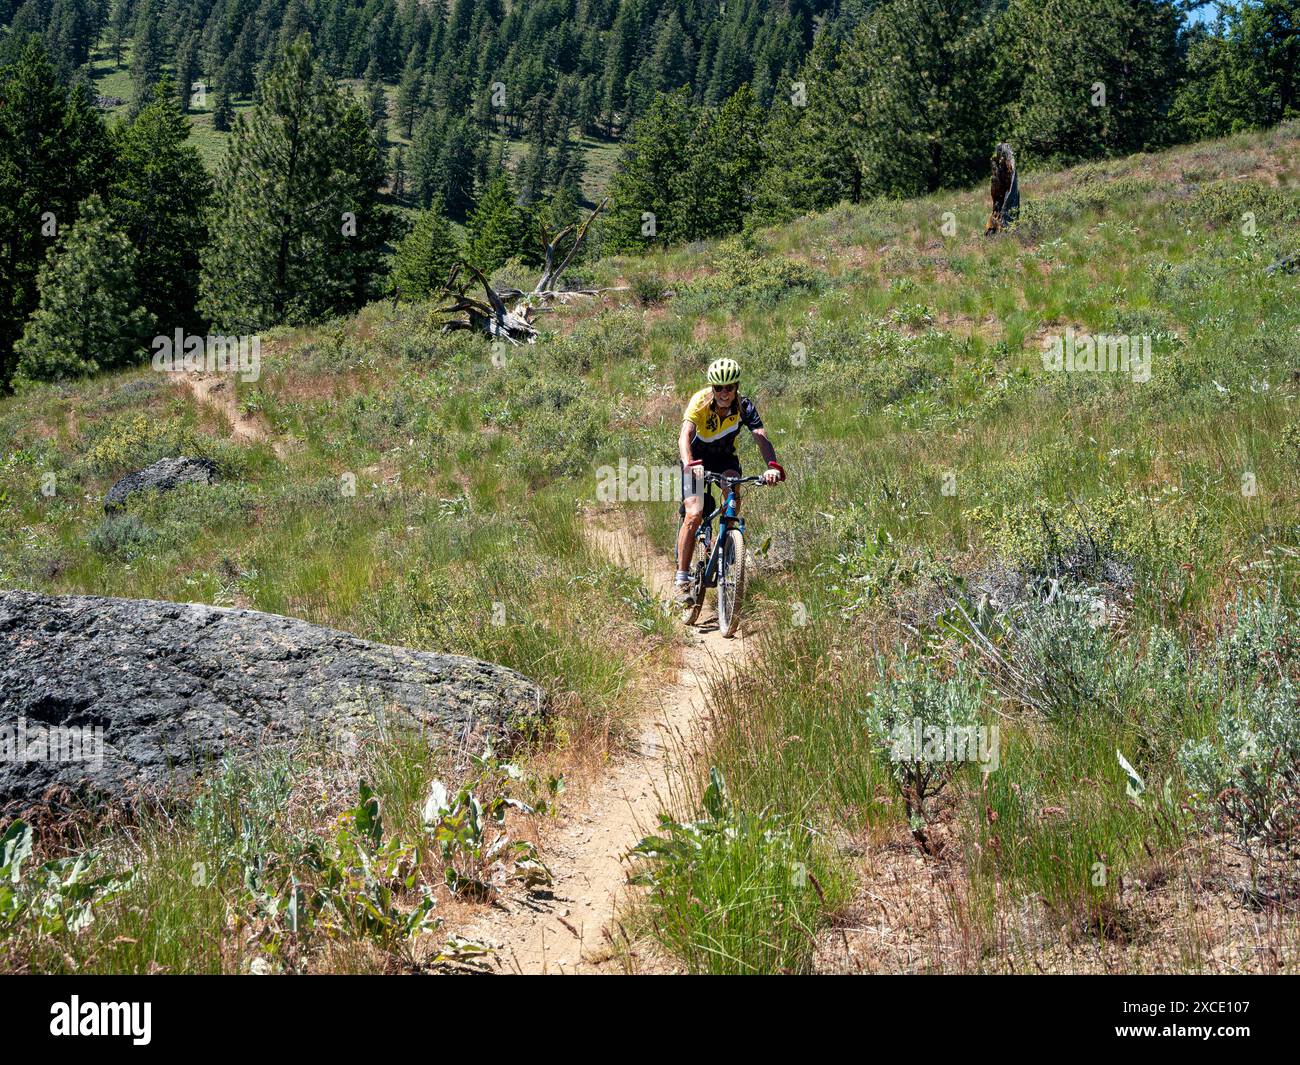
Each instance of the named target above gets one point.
<point>941,479</point>
<point>599,157</point>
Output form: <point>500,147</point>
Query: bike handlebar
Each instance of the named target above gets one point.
<point>725,481</point>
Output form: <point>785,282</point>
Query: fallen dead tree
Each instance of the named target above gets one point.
<point>492,315</point>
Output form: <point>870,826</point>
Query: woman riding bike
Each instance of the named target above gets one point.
<point>707,444</point>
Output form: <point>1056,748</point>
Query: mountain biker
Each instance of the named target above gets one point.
<point>707,444</point>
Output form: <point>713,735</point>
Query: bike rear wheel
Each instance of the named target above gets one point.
<point>731,582</point>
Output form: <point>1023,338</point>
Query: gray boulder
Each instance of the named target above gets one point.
<point>163,475</point>
<point>171,687</point>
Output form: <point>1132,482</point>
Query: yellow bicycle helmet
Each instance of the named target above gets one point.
<point>724,372</point>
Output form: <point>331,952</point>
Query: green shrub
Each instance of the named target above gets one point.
<point>1289,444</point>
<point>1039,217</point>
<point>181,516</point>
<point>604,340</point>
<point>1247,779</point>
<point>925,724</point>
<point>868,359</point>
<point>514,273</point>
<point>57,898</point>
<point>1226,203</point>
<point>121,537</point>
<point>1167,694</point>
<point>554,443</point>
<point>913,315</point>
<point>131,441</point>
<point>649,288</point>
<point>746,275</point>
<point>1060,539</point>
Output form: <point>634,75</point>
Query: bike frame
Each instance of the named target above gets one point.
<point>727,519</point>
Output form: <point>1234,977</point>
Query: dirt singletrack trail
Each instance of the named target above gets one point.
<point>571,931</point>
<point>217,390</point>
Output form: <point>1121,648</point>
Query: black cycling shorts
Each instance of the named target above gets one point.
<point>711,464</point>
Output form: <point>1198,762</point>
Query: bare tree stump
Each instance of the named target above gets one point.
<point>1004,190</point>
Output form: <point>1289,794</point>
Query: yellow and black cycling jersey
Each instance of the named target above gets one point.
<point>715,436</point>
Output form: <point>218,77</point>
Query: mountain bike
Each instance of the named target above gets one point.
<point>721,563</point>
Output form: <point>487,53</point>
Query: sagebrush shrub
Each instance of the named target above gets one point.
<point>1222,203</point>
<point>1247,779</point>
<point>744,274</point>
<point>649,288</point>
<point>1262,644</point>
<point>1050,651</point>
<point>121,537</point>
<point>917,703</point>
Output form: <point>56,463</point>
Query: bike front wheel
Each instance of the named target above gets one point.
<point>731,582</point>
<point>699,559</point>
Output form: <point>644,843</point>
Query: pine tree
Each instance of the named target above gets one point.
<point>1096,77</point>
<point>648,178</point>
<point>723,162</point>
<point>1242,74</point>
<point>296,224</point>
<point>566,169</point>
<point>427,144</point>
<point>915,84</point>
<point>811,165</point>
<point>377,108</point>
<point>88,318</point>
<point>186,72</point>
<point>159,200</point>
<point>496,228</point>
<point>588,107</point>
<point>223,115</point>
<point>53,152</point>
<point>397,186</point>
<point>295,23</point>
<point>533,170</point>
<point>71,32</point>
<point>237,75</point>
<point>464,161</point>
<point>146,56</point>
<point>118,23</point>
<point>561,210</point>
<point>672,60</point>
<point>622,48</point>
<point>409,92</point>
<point>425,256</point>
